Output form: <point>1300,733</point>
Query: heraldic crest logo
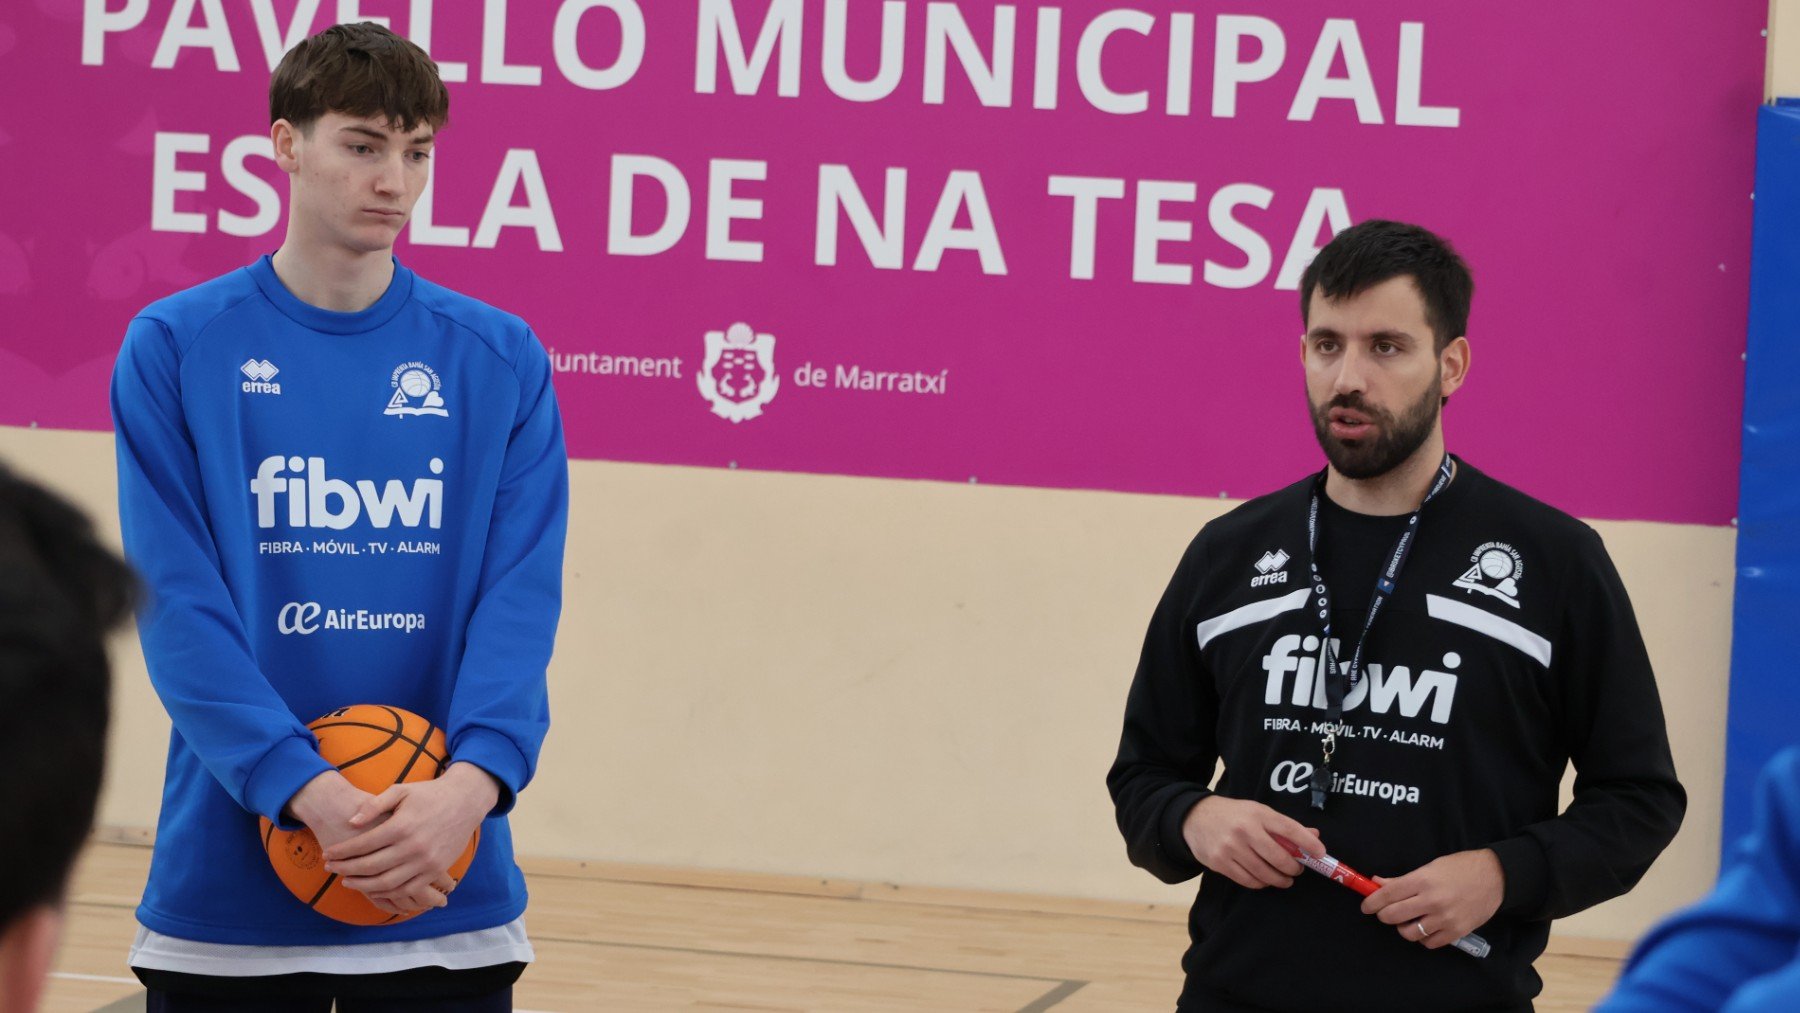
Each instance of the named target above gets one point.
<point>738,376</point>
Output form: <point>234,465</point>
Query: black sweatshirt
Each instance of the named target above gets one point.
<point>1507,650</point>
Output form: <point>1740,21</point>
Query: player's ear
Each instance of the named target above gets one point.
<point>286,140</point>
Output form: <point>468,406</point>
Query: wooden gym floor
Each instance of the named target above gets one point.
<point>615,937</point>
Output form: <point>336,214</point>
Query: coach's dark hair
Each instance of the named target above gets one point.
<point>358,70</point>
<point>61,590</point>
<point>1367,254</point>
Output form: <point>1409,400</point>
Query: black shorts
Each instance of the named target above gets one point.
<point>474,990</point>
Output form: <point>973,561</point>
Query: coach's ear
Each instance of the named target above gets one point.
<point>1453,365</point>
<point>27,947</point>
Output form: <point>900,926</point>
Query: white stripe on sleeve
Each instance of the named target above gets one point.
<point>1504,630</point>
<point>1255,612</point>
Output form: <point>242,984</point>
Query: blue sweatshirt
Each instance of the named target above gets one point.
<point>331,509</point>
<point>1738,950</point>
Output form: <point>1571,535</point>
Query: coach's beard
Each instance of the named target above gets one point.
<point>1397,437</point>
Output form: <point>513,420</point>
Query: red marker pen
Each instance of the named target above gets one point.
<point>1338,872</point>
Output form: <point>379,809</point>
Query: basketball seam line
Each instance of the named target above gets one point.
<point>394,734</point>
<point>363,724</point>
<point>429,728</point>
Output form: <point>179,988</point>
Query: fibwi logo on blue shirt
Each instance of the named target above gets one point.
<point>316,499</point>
<point>417,391</point>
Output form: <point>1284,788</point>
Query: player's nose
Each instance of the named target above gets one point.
<point>391,180</point>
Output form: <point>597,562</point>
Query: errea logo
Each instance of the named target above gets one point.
<point>259,372</point>
<point>1270,567</point>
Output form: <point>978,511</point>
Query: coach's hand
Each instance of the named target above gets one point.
<point>325,806</point>
<point>402,862</point>
<point>1234,837</point>
<point>1442,900</point>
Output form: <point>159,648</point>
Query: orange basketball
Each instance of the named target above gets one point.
<point>375,747</point>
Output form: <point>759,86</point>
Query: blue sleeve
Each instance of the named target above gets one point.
<point>499,710</point>
<point>194,642</point>
<point>1778,992</point>
<point>1748,927</point>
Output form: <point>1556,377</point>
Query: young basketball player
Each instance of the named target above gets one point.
<point>343,484</point>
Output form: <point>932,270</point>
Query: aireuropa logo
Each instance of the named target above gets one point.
<point>738,376</point>
<point>304,618</point>
<point>259,373</point>
<point>1292,777</point>
<point>1270,566</point>
<point>316,500</point>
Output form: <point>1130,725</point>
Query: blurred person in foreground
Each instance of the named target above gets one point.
<point>60,592</point>
<point>1738,950</point>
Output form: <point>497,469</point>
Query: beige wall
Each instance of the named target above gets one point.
<point>897,681</point>
<point>1784,48</point>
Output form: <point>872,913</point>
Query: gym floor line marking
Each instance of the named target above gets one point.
<point>804,960</point>
<point>802,895</point>
<point>109,979</point>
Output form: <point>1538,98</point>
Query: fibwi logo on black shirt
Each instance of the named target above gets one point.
<point>417,391</point>
<point>1295,676</point>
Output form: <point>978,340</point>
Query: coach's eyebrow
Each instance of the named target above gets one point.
<point>1393,335</point>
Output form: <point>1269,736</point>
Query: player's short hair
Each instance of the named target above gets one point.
<point>61,590</point>
<point>358,70</point>
<point>1367,254</point>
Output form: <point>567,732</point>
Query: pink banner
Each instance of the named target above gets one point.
<point>970,241</point>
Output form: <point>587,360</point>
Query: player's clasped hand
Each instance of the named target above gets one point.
<point>1233,837</point>
<point>402,863</point>
<point>1442,900</point>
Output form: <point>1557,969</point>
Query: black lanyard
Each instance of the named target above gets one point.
<point>1337,682</point>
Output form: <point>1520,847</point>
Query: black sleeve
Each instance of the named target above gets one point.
<point>1170,743</point>
<point>1627,803</point>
